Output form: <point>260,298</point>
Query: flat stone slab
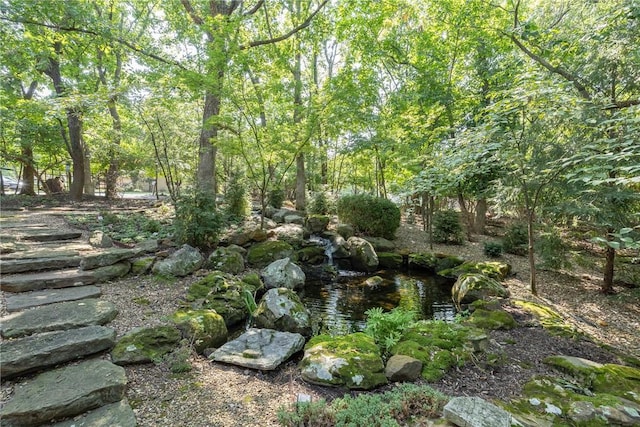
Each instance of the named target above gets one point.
<point>114,414</point>
<point>263,349</point>
<point>21,301</point>
<point>24,355</point>
<point>46,279</point>
<point>41,253</point>
<point>38,235</point>
<point>107,257</point>
<point>36,264</point>
<point>57,317</point>
<point>64,392</point>
<point>475,412</point>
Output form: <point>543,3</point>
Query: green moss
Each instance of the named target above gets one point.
<point>423,261</point>
<point>146,344</point>
<point>494,269</point>
<point>390,260</point>
<point>491,319</point>
<point>551,320</point>
<point>311,255</point>
<point>205,328</point>
<point>447,261</point>
<point>264,253</point>
<point>254,280</point>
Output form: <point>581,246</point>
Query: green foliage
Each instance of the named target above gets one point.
<point>407,404</point>
<point>552,251</point>
<point>515,239</point>
<point>370,215</point>
<point>319,204</point>
<point>386,328</point>
<point>493,249</point>
<point>276,197</point>
<point>197,221</point>
<point>236,198</point>
<point>123,227</point>
<point>447,227</point>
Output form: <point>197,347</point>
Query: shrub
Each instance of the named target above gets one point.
<point>197,222</point>
<point>406,404</point>
<point>447,227</point>
<point>236,198</point>
<point>493,249</point>
<point>276,197</point>
<point>319,204</point>
<point>516,239</point>
<point>552,251</point>
<point>386,328</point>
<point>370,215</point>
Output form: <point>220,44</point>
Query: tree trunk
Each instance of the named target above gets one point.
<point>468,218</point>
<point>207,145</point>
<point>28,172</point>
<point>481,217</point>
<point>530,253</point>
<point>610,257</point>
<point>301,199</point>
<point>113,172</point>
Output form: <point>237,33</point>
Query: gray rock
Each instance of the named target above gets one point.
<point>58,316</point>
<point>316,224</point>
<point>182,262</point>
<point>64,392</point>
<point>280,215</point>
<point>25,300</point>
<point>282,310</point>
<point>283,274</point>
<point>345,230</point>
<point>403,368</point>
<point>363,256</point>
<point>109,272</point>
<point>47,279</point>
<point>36,264</point>
<point>202,328</point>
<point>475,412</point>
<point>142,265</point>
<point>40,235</point>
<point>144,345</point>
<point>290,233</point>
<point>380,244</point>
<point>226,260</point>
<point>148,246</point>
<point>31,353</point>
<point>98,239</point>
<point>117,414</point>
<point>263,349</point>
<point>25,252</point>
<point>108,257</point>
<point>339,246</point>
<point>294,219</point>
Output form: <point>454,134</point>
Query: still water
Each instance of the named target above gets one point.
<point>339,305</point>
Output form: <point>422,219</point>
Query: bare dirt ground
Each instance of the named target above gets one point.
<point>213,394</point>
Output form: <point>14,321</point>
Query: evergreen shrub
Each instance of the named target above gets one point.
<point>276,197</point>
<point>197,221</point>
<point>516,239</point>
<point>493,249</point>
<point>319,204</point>
<point>447,227</point>
<point>370,215</point>
<point>552,251</point>
<point>236,198</point>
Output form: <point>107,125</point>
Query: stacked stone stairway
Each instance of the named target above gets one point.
<point>55,337</point>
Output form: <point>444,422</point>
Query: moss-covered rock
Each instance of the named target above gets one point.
<point>550,319</point>
<point>142,265</point>
<point>491,319</point>
<point>426,261</point>
<point>494,269</point>
<point>313,255</point>
<point>390,260</point>
<point>226,260</point>
<point>144,345</point>
<point>472,286</point>
<point>253,279</point>
<point>317,223</point>
<point>445,261</point>
<point>438,345</point>
<point>264,253</point>
<point>223,293</point>
<point>204,328</point>
<point>352,361</point>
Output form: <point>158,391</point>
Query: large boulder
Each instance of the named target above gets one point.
<point>339,246</point>
<point>363,256</point>
<point>282,310</point>
<point>391,260</point>
<point>475,412</point>
<point>403,368</point>
<point>316,224</point>
<point>144,345</point>
<point>351,361</point>
<point>473,286</point>
<point>107,257</point>
<point>312,255</point>
<point>182,262</point>
<point>264,253</point>
<point>204,328</point>
<point>290,233</point>
<point>380,244</point>
<point>283,274</point>
<point>226,260</point>
<point>494,269</point>
<point>263,349</point>
<point>225,294</point>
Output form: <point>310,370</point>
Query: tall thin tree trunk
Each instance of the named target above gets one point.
<point>207,145</point>
<point>609,265</point>
<point>530,252</point>
<point>481,216</point>
<point>113,172</point>
<point>301,177</point>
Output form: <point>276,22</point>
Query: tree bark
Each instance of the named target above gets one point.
<point>531,253</point>
<point>113,172</point>
<point>28,171</point>
<point>481,216</point>
<point>609,265</point>
<point>207,143</point>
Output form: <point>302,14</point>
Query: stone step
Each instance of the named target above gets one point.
<point>39,234</point>
<point>21,301</point>
<point>57,317</point>
<point>64,392</point>
<point>62,278</point>
<point>53,252</point>
<point>35,264</point>
<point>21,225</point>
<point>114,414</point>
<point>32,353</point>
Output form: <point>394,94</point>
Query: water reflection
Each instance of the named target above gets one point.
<point>339,306</point>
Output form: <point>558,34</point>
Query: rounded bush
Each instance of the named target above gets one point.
<point>447,227</point>
<point>493,249</point>
<point>370,215</point>
<point>197,221</point>
<point>516,239</point>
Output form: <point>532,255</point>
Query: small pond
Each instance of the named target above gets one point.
<point>339,305</point>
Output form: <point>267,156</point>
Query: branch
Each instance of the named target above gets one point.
<point>192,13</point>
<point>97,34</point>
<point>254,9</point>
<point>619,105</point>
<point>285,36</point>
<point>582,89</point>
